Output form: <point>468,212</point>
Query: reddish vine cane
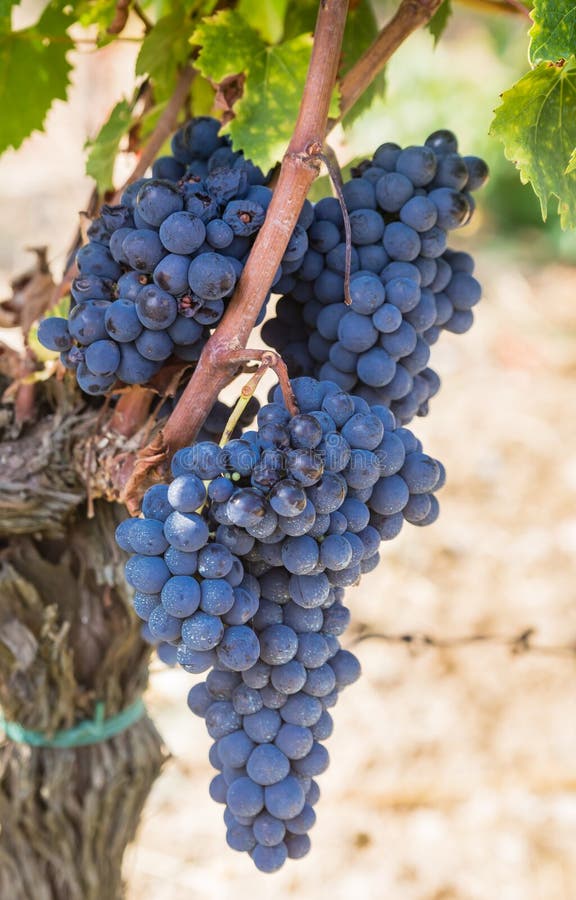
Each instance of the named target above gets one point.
<point>300,167</point>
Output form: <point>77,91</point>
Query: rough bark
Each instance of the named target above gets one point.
<point>68,639</point>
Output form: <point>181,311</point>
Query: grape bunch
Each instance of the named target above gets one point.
<point>406,286</point>
<point>239,568</point>
<point>269,724</point>
<point>159,267</point>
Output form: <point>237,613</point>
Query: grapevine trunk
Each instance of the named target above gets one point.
<point>68,642</point>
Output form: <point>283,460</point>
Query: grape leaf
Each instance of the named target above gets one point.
<point>266,113</point>
<point>6,14</point>
<point>96,12</point>
<point>361,29</point>
<point>553,34</point>
<point>104,147</point>
<point>100,13</point>
<point>300,18</point>
<point>571,167</point>
<point>274,80</point>
<point>202,97</point>
<point>537,124</point>
<point>164,49</point>
<point>439,21</point>
<point>228,45</point>
<point>266,18</point>
<point>34,72</point>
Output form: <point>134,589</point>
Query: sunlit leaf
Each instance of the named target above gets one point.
<point>439,21</point>
<point>164,50</point>
<point>104,147</point>
<point>266,18</point>
<point>537,124</point>
<point>361,30</point>
<point>272,89</point>
<point>6,14</point>
<point>34,72</point>
<point>571,167</point>
<point>553,34</point>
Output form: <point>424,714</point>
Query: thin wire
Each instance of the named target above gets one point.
<point>523,642</point>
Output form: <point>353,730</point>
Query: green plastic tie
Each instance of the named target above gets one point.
<point>90,731</point>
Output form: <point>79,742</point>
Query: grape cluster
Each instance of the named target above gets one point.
<point>406,285</point>
<point>159,267</point>
<point>239,568</point>
<point>269,725</point>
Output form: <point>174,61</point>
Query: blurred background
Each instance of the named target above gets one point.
<point>452,774</point>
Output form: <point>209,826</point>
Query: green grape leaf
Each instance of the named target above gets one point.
<point>228,44</point>
<point>266,18</point>
<point>96,12</point>
<point>156,9</point>
<point>537,124</point>
<point>104,147</point>
<point>273,80</point>
<point>361,29</point>
<point>266,113</point>
<point>164,49</point>
<point>6,14</point>
<point>34,72</point>
<point>571,167</point>
<point>439,21</point>
<point>553,34</point>
<point>100,13</point>
<point>300,18</point>
<point>202,97</point>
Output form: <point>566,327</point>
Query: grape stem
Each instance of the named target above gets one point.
<point>335,171</point>
<point>336,179</point>
<point>120,17</point>
<point>300,167</point>
<point>409,16</point>
<point>269,360</point>
<point>148,25</point>
<point>24,390</point>
<point>246,395</point>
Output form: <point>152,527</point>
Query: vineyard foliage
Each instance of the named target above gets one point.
<point>250,61</point>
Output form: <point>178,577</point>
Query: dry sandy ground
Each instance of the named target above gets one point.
<point>452,774</point>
